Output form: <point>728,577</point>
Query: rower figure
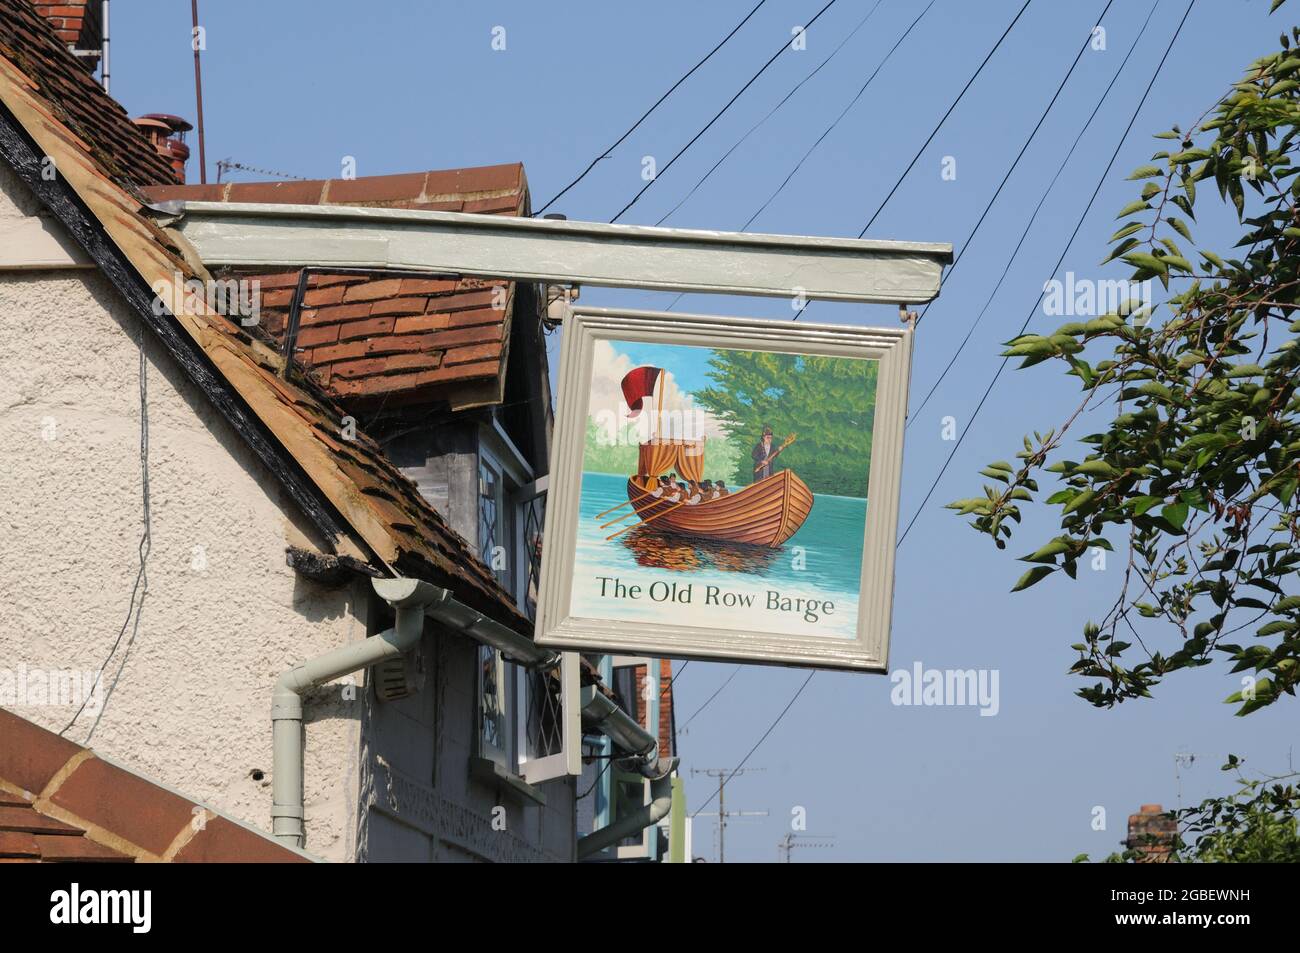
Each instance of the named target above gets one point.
<point>762,455</point>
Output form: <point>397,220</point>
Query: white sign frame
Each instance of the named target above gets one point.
<point>558,628</point>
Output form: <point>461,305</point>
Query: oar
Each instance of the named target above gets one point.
<point>644,522</point>
<point>619,507</point>
<point>619,519</point>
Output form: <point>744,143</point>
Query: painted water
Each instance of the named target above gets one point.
<point>808,586</point>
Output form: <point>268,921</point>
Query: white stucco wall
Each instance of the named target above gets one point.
<point>223,615</point>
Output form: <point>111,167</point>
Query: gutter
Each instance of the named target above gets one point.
<point>412,601</point>
<point>602,715</point>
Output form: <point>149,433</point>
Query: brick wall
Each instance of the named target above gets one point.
<point>77,23</point>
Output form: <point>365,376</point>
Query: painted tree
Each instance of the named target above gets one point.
<point>829,402</point>
<point>1194,474</point>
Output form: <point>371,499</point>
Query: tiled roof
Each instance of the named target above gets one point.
<point>487,190</point>
<point>379,506</point>
<point>398,340</point>
<point>59,802</point>
<point>36,52</point>
<point>393,340</point>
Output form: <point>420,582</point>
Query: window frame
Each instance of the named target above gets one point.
<point>516,488</point>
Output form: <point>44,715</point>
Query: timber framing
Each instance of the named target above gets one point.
<point>264,236</point>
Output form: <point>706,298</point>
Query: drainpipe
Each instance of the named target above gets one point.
<point>412,600</point>
<point>602,715</point>
<point>661,802</point>
<point>103,49</point>
<point>409,599</point>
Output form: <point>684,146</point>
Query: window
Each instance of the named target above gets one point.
<point>524,724</point>
<point>493,736</point>
<point>493,521</point>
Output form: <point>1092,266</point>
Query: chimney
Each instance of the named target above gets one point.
<point>78,23</point>
<point>167,133</point>
<point>1151,833</point>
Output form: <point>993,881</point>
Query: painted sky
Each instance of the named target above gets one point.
<point>611,361</point>
<point>688,365</point>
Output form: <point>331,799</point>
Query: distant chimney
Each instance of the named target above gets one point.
<point>167,133</point>
<point>1151,833</point>
<point>78,24</point>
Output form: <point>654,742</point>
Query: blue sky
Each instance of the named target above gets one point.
<point>296,86</point>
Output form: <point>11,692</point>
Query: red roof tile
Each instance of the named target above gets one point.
<point>88,810</point>
<point>497,190</point>
<point>29,41</point>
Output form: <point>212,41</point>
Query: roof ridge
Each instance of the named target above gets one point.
<point>297,417</point>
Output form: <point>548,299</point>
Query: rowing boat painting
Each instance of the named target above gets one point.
<point>724,486</point>
<point>766,513</point>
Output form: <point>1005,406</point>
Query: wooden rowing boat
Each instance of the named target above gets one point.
<point>766,513</point>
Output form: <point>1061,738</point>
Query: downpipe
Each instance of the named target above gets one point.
<point>409,599</point>
<point>661,802</point>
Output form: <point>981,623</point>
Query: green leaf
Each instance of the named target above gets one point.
<point>1127,230</point>
<point>1120,249</point>
<point>1033,576</point>
<point>1146,172</point>
<point>1096,468</point>
<point>1141,259</point>
<point>1144,503</point>
<point>1175,514</point>
<point>1048,552</point>
<point>1180,226</point>
<point>1080,499</point>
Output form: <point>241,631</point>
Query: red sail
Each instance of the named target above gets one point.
<point>637,386</point>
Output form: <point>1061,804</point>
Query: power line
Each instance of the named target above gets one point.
<point>785,45</point>
<point>1023,149</point>
<point>836,121</point>
<point>1077,227</point>
<point>1033,218</point>
<point>1002,366</point>
<point>825,132</point>
<point>645,115</point>
<point>935,131</point>
<point>713,696</point>
<point>757,744</point>
<point>752,129</point>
